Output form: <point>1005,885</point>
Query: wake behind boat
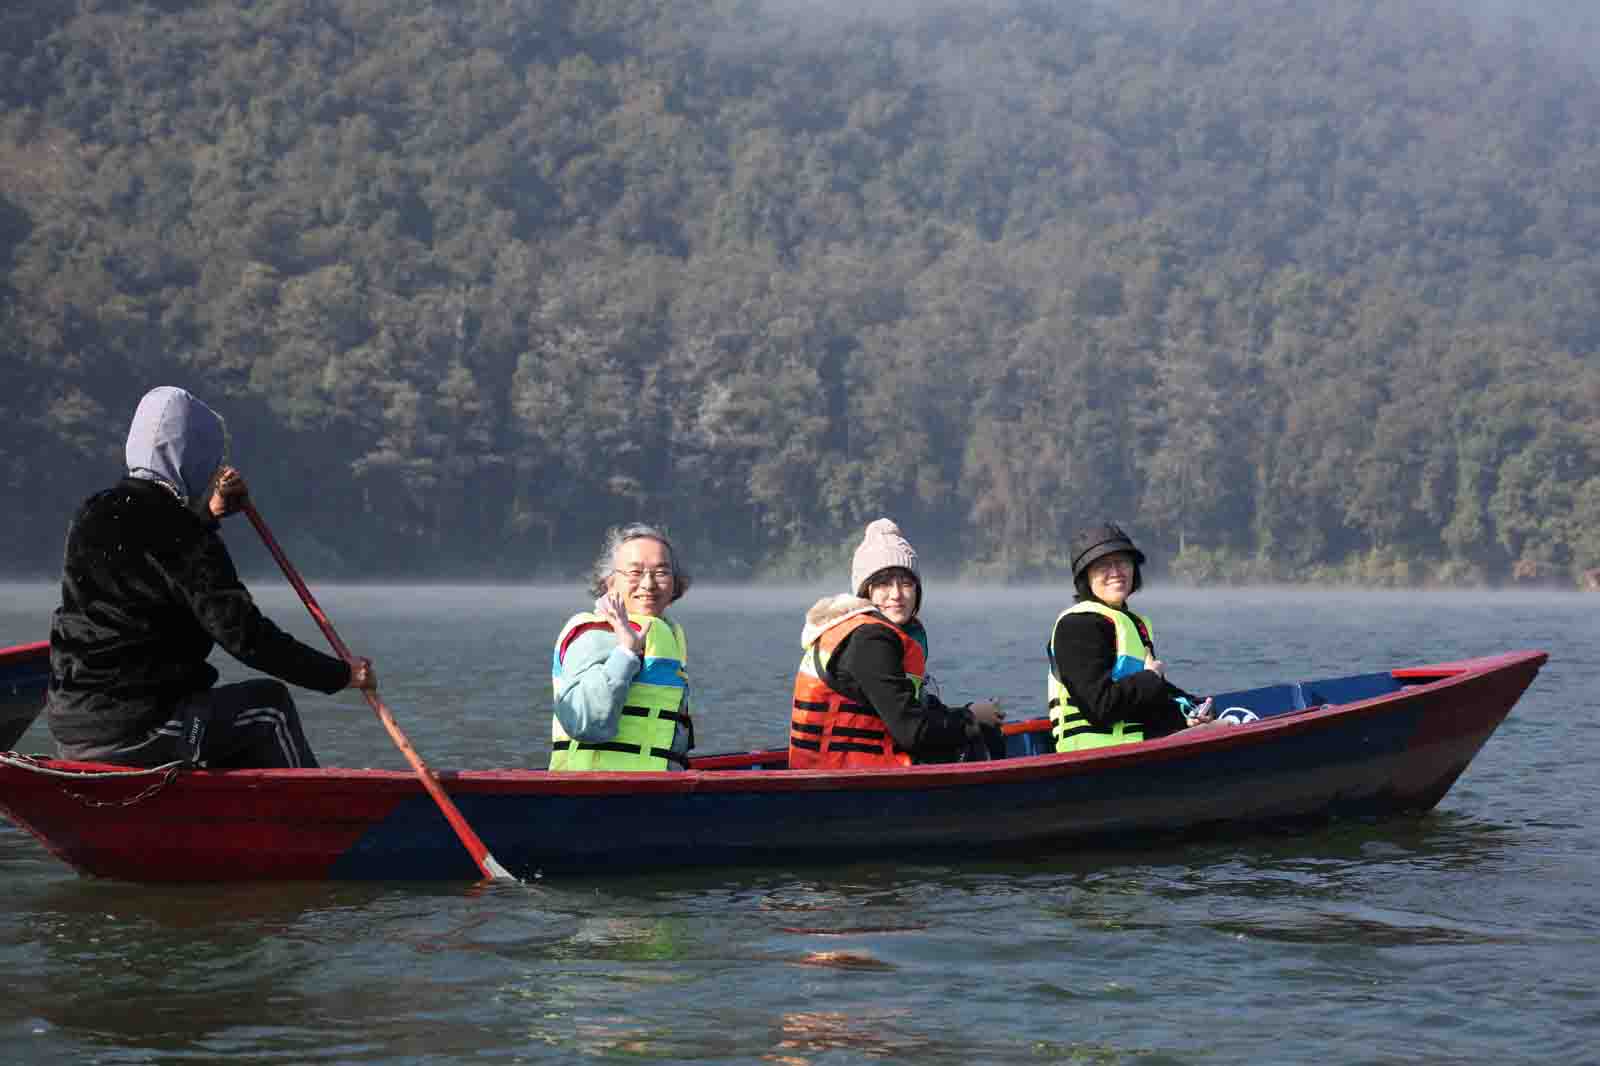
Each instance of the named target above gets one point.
<point>1366,745</point>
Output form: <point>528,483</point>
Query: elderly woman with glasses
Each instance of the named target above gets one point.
<point>621,685</point>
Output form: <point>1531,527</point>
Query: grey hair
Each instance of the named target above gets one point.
<point>616,537</point>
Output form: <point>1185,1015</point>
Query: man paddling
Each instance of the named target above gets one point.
<point>147,589</point>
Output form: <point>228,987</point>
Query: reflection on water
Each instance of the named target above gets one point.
<point>218,958</point>
<point>626,939</point>
<point>803,1035</point>
<point>843,960</point>
<point>1374,928</point>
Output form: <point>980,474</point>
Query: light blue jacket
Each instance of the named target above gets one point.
<point>595,674</point>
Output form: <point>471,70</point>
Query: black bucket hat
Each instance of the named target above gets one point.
<point>1098,541</point>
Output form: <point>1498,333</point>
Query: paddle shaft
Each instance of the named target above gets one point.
<point>430,781</point>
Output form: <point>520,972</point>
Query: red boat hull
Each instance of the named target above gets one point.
<point>1399,751</point>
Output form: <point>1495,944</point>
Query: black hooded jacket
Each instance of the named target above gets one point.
<point>147,589</point>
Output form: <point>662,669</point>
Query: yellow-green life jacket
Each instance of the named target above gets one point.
<point>652,710</point>
<point>1071,730</point>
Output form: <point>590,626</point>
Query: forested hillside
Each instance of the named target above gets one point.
<point>1292,288</point>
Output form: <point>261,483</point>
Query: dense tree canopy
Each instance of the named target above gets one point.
<point>1292,288</point>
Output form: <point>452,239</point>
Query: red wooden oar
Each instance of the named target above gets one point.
<point>475,847</point>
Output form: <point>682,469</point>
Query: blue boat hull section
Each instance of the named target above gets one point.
<point>1320,773</point>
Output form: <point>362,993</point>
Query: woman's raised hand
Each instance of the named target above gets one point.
<point>614,609</point>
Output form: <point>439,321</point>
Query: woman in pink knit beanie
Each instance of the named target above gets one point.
<point>859,697</point>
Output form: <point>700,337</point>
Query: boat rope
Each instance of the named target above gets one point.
<point>167,771</point>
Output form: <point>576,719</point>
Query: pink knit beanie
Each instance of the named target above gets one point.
<point>882,546</point>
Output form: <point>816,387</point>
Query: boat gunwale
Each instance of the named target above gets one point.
<point>24,652</point>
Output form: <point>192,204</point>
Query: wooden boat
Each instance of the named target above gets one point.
<point>24,675</point>
<point>1366,745</point>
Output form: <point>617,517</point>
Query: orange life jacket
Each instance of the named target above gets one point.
<point>829,731</point>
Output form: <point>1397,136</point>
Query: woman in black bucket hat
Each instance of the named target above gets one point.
<point>1106,685</point>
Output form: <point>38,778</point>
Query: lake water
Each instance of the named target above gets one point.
<point>1468,935</point>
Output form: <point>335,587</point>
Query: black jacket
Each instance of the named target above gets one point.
<point>147,589</point>
<point>1085,651</point>
<point>868,666</point>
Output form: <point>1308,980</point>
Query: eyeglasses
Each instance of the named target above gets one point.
<point>660,575</point>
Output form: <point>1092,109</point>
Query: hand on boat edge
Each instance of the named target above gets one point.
<point>1200,714</point>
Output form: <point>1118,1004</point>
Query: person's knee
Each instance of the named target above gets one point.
<point>269,692</point>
